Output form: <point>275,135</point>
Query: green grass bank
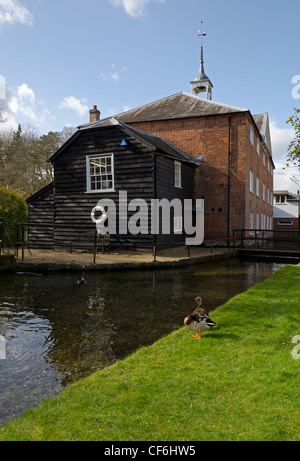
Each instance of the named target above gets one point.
<point>239,382</point>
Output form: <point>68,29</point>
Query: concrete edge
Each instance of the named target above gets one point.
<point>72,267</point>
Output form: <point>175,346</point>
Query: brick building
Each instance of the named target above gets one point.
<point>233,151</point>
<point>232,148</point>
<point>229,147</point>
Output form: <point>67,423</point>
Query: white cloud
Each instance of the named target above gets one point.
<point>114,76</point>
<point>280,138</point>
<point>134,8</point>
<point>11,12</point>
<point>285,178</point>
<point>21,106</point>
<point>77,105</point>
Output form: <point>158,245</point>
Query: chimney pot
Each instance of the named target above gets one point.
<point>94,114</point>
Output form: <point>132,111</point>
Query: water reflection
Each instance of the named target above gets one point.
<point>57,332</point>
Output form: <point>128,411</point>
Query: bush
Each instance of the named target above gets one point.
<point>13,209</point>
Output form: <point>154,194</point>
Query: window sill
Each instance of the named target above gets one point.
<point>100,191</point>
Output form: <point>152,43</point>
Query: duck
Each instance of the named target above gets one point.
<point>81,281</point>
<point>199,320</point>
<point>200,309</point>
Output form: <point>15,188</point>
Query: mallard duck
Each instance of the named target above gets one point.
<point>199,309</point>
<point>81,281</point>
<point>199,320</point>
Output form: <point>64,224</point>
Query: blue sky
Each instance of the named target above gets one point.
<point>60,57</point>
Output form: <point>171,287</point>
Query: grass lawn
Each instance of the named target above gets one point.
<point>239,382</point>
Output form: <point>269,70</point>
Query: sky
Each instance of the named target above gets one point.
<point>59,58</point>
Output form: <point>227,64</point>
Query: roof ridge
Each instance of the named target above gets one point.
<point>214,102</point>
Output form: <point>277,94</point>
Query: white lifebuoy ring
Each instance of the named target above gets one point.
<point>99,222</point>
<point>93,212</point>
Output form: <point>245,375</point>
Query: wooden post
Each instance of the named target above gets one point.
<point>154,253</point>
<point>23,236</point>
<point>95,245</point>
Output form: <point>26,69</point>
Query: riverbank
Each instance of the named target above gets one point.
<point>54,261</point>
<point>239,382</point>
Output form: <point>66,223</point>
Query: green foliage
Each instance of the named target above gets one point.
<point>239,382</point>
<point>13,208</point>
<point>293,154</point>
<point>24,158</point>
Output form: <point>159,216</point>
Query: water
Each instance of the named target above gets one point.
<point>57,332</point>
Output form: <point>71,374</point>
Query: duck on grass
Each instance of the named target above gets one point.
<point>199,320</point>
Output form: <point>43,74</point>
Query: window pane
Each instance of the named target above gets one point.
<point>101,173</point>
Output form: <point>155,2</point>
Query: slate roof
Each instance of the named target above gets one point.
<point>180,105</point>
<point>183,105</point>
<point>153,142</point>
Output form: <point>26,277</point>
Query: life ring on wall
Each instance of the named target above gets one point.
<point>99,222</point>
<point>94,211</point>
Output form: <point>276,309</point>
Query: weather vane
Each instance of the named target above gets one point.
<point>201,33</point>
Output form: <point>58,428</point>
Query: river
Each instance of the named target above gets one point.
<point>56,332</point>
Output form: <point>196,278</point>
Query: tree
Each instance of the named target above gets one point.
<point>13,208</point>
<point>24,158</point>
<point>293,154</point>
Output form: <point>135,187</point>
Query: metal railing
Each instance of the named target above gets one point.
<point>28,235</point>
<point>288,239</point>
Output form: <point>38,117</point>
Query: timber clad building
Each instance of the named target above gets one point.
<point>182,146</point>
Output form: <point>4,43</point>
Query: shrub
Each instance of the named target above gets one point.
<point>13,209</point>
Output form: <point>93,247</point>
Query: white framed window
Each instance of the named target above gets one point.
<point>264,158</point>
<point>177,169</point>
<point>264,192</point>
<point>257,186</point>
<point>280,198</point>
<point>251,222</point>
<point>263,221</point>
<point>178,225</point>
<point>258,146</point>
<point>252,135</point>
<point>251,182</point>
<point>100,173</point>
<point>257,220</point>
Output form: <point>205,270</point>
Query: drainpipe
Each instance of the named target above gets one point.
<point>228,180</point>
<point>154,196</point>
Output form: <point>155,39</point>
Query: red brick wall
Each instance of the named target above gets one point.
<point>293,226</point>
<point>209,137</point>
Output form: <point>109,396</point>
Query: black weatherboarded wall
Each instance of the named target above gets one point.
<point>142,169</point>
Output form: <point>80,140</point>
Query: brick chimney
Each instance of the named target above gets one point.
<point>94,114</point>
